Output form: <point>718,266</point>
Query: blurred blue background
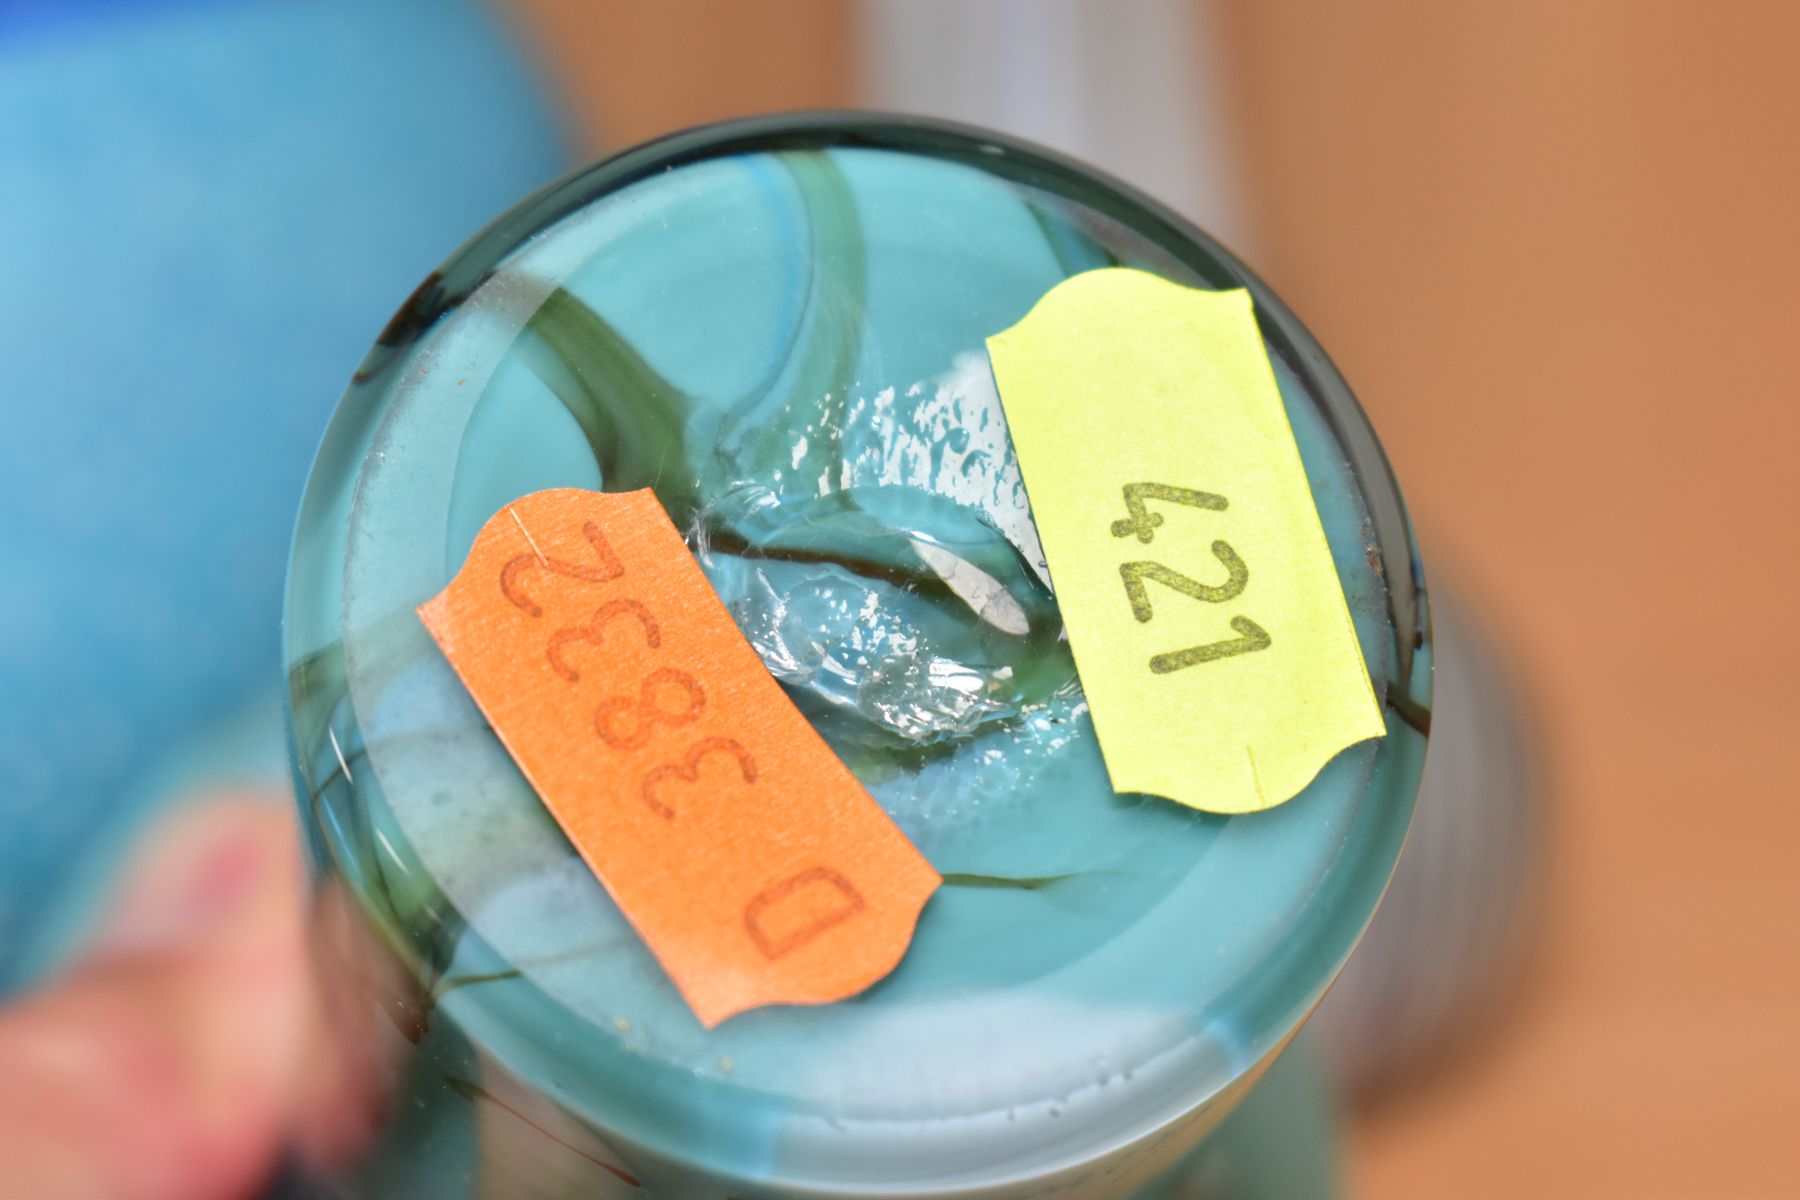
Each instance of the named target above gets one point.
<point>207,211</point>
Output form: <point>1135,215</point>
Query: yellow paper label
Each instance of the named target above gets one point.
<point>1205,615</point>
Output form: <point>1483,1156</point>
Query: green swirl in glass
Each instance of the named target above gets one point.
<point>778,326</point>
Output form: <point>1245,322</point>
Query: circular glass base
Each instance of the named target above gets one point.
<point>779,327</point>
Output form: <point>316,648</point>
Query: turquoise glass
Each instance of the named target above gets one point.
<point>778,326</point>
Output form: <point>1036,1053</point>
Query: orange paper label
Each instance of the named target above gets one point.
<point>744,852</point>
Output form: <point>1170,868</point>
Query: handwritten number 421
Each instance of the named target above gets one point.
<point>1138,575</point>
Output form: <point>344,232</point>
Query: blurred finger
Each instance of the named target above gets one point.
<point>163,1066</point>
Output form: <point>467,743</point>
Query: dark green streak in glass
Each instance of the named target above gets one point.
<point>1023,883</point>
<point>630,415</point>
<point>828,335</point>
